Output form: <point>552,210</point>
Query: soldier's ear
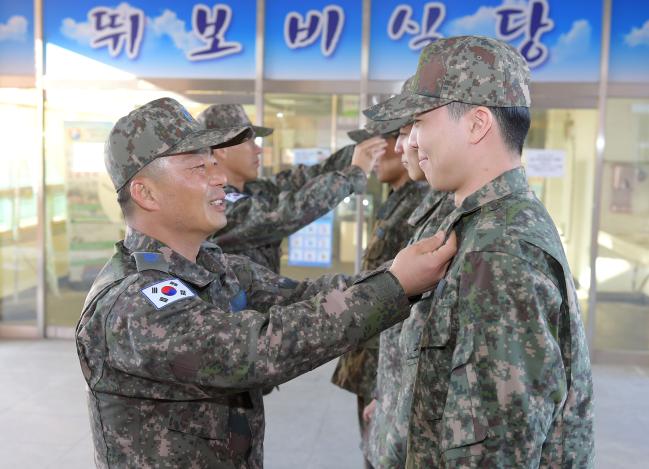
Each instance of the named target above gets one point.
<point>480,122</point>
<point>143,194</point>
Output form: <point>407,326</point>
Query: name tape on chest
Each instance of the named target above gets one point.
<point>232,197</point>
<point>167,292</point>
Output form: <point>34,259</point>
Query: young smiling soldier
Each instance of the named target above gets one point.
<point>171,340</point>
<point>503,374</point>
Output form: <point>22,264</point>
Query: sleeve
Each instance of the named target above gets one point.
<point>193,342</point>
<point>294,179</point>
<point>253,222</point>
<point>264,288</point>
<point>507,380</point>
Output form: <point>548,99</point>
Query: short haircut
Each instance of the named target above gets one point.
<point>124,194</point>
<point>124,199</point>
<point>514,122</point>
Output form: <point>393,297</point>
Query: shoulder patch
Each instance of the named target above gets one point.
<point>168,291</point>
<point>234,196</point>
<point>150,261</point>
<point>239,301</point>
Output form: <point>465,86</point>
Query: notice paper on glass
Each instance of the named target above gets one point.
<point>544,163</point>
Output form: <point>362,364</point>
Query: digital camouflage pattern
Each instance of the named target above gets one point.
<point>375,128</point>
<point>271,209</point>
<point>503,374</point>
<point>179,385</point>
<point>383,127</point>
<point>396,373</point>
<point>224,116</point>
<point>469,69</point>
<point>356,370</point>
<point>160,128</point>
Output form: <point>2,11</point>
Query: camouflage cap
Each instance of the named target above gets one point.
<point>160,128</point>
<point>221,116</point>
<point>383,127</point>
<point>469,69</point>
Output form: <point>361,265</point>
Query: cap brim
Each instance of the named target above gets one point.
<point>211,138</point>
<point>360,135</point>
<point>262,131</point>
<point>403,105</point>
<point>388,127</point>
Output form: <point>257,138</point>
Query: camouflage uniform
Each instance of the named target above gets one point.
<point>503,376</point>
<point>396,375</point>
<point>178,384</point>
<point>270,209</point>
<point>356,371</point>
<point>174,353</point>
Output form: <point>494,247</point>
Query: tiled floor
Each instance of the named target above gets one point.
<point>310,423</point>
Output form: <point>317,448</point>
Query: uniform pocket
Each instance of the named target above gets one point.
<point>431,356</point>
<point>203,419</point>
<point>437,322</point>
<point>427,326</point>
<point>464,424</point>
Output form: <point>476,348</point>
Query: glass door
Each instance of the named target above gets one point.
<point>623,238</point>
<point>308,128</point>
<point>19,187</point>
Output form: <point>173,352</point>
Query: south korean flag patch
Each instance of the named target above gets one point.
<point>167,292</point>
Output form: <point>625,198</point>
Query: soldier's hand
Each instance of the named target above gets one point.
<point>367,152</point>
<point>421,265</point>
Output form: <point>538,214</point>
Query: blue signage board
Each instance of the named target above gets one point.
<point>161,38</point>
<point>313,40</point>
<point>312,245</point>
<point>16,38</point>
<point>559,39</point>
<point>629,59</point>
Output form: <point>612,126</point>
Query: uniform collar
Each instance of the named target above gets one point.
<point>510,182</point>
<point>208,267</point>
<point>427,205</point>
<point>394,199</point>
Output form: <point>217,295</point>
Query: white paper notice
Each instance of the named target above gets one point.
<point>544,163</point>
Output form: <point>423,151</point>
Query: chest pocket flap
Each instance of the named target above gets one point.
<point>436,330</point>
<point>464,424</point>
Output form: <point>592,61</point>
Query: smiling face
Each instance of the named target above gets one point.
<point>240,163</point>
<point>190,193</point>
<point>442,147</point>
<point>409,158</point>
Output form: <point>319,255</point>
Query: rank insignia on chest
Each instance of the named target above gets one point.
<point>232,197</point>
<point>164,293</point>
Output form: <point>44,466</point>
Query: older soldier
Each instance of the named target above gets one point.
<point>170,344</point>
<point>262,212</point>
<point>356,370</point>
<point>503,375</point>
